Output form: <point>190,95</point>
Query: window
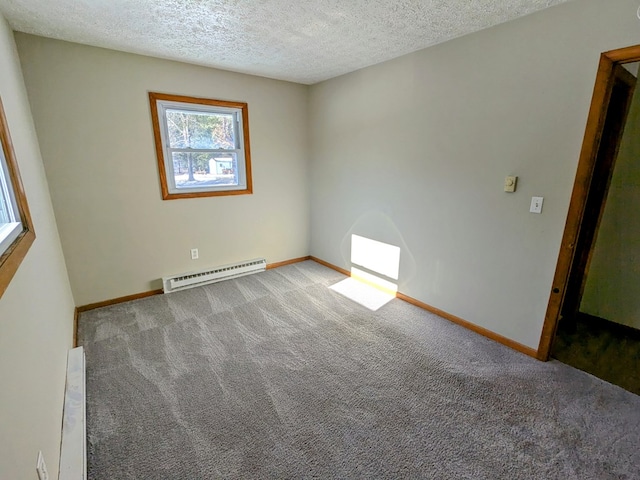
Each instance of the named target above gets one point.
<point>202,146</point>
<point>16,229</point>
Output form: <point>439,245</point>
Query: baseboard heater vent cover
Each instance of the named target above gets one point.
<point>73,454</point>
<point>212,275</point>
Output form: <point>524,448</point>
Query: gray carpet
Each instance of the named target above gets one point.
<point>274,375</point>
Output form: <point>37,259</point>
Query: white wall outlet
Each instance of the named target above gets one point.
<point>194,254</point>
<point>41,468</point>
<point>536,204</point>
<point>510,184</point>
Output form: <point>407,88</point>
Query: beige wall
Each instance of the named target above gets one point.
<point>36,311</point>
<point>414,152</point>
<point>119,237</point>
<point>612,290</point>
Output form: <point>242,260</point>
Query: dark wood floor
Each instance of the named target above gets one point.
<point>604,349</point>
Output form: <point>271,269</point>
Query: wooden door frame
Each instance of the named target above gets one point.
<point>616,118</point>
<point>581,187</point>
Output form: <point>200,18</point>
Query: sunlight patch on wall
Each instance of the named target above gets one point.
<point>375,256</point>
<point>374,265</point>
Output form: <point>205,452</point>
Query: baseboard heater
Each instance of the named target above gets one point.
<point>212,275</point>
<point>73,454</point>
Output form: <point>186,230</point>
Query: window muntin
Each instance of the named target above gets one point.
<point>202,146</point>
<point>16,227</point>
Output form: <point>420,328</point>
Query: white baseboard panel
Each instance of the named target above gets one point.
<point>73,454</point>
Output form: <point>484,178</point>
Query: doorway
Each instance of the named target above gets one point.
<point>612,97</point>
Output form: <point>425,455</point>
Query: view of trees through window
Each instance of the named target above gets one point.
<point>202,147</point>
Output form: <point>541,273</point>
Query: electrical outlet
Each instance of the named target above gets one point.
<point>194,254</point>
<point>41,468</point>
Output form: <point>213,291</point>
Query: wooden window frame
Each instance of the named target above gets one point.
<point>167,194</point>
<point>12,257</point>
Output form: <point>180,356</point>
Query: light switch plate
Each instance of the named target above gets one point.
<point>510,184</point>
<point>536,204</point>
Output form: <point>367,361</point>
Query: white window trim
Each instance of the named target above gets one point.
<point>8,234</point>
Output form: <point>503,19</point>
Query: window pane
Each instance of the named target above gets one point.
<point>6,207</point>
<point>197,170</point>
<point>200,130</point>
<point>10,225</point>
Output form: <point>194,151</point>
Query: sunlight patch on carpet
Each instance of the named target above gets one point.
<point>360,292</point>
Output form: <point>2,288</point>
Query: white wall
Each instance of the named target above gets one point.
<point>612,290</point>
<point>119,237</point>
<point>414,152</point>
<point>36,311</point>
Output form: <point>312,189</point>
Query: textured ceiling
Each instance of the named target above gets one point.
<point>304,41</point>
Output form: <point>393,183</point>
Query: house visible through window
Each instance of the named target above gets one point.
<point>202,146</point>
<point>16,229</point>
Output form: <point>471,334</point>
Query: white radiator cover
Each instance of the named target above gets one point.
<point>182,281</point>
